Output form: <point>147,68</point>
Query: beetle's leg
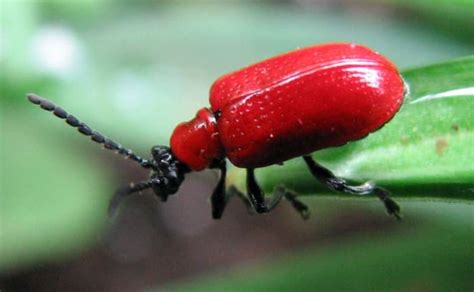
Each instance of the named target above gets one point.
<point>121,193</point>
<point>300,207</point>
<point>257,197</point>
<point>220,196</point>
<point>326,177</point>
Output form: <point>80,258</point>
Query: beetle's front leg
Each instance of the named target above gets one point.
<point>220,196</point>
<point>121,193</point>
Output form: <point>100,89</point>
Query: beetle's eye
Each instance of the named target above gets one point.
<point>154,150</point>
<point>161,152</point>
<point>157,150</point>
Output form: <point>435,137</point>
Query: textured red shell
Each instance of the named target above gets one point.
<point>291,105</point>
<point>196,142</point>
<point>309,99</point>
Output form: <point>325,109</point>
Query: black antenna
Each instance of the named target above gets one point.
<point>86,130</point>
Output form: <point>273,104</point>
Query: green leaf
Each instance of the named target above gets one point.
<point>425,151</point>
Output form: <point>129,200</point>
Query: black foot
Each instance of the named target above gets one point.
<point>257,197</point>
<point>299,206</point>
<point>325,176</point>
<point>122,193</point>
<point>390,205</point>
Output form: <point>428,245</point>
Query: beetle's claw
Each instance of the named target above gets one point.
<point>393,208</point>
<point>305,214</point>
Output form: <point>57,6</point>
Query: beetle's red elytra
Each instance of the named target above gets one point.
<point>284,107</point>
<point>294,104</point>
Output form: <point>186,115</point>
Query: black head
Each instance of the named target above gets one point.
<point>167,172</point>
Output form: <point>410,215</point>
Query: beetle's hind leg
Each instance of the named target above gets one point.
<point>328,178</point>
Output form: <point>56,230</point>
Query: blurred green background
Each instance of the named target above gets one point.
<point>133,70</point>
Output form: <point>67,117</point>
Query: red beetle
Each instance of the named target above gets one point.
<point>287,106</point>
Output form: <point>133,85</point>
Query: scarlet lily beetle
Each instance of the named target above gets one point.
<point>284,107</point>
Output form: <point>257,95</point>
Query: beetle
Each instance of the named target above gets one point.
<point>284,107</point>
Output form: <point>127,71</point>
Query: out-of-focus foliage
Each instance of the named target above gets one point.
<point>427,261</point>
<point>52,201</point>
<point>452,16</point>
